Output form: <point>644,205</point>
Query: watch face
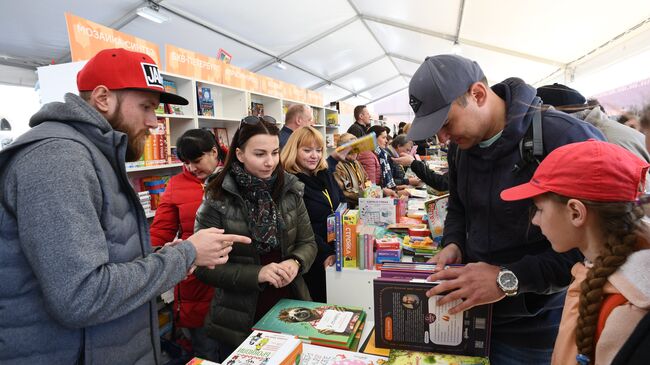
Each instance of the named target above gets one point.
<point>508,280</point>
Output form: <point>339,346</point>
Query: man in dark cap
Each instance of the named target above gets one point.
<point>509,261</point>
<point>79,278</point>
<point>571,101</point>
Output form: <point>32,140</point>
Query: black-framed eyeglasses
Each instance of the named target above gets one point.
<point>254,119</point>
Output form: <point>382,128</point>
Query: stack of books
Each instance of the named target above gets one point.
<point>266,348</point>
<point>145,200</point>
<point>318,323</point>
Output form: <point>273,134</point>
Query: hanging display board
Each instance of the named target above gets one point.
<point>87,38</point>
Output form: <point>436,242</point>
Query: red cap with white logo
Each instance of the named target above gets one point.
<point>119,69</point>
<point>592,170</point>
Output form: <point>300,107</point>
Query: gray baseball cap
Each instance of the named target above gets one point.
<point>435,85</point>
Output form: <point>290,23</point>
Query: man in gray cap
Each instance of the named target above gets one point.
<point>510,262</point>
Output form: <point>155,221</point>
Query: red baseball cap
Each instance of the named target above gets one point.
<point>591,170</point>
<point>119,69</point>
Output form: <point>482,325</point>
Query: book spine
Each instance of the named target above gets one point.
<point>339,241</point>
<point>349,245</point>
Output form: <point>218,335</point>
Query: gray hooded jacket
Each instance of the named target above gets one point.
<point>78,279</point>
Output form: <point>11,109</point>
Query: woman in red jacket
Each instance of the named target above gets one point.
<point>174,218</point>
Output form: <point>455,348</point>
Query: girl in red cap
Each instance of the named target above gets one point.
<point>587,197</point>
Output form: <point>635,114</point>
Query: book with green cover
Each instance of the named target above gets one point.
<point>320,323</point>
<point>404,357</point>
<point>365,143</point>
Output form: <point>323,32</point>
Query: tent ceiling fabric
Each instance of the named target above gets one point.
<point>359,51</point>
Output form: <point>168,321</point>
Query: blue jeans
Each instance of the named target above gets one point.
<point>502,354</point>
<point>202,345</point>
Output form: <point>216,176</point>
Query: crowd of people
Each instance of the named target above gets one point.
<point>236,232</point>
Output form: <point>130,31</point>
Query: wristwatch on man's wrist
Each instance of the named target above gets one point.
<point>507,281</point>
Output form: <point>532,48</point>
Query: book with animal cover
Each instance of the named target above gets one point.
<point>319,355</point>
<point>323,324</point>
<point>404,357</point>
<point>266,348</point>
<point>436,209</point>
<point>406,319</point>
<point>365,143</point>
<point>257,109</point>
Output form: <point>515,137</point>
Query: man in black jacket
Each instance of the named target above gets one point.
<point>362,121</point>
<point>509,261</point>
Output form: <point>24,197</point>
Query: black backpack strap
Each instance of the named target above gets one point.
<point>531,146</point>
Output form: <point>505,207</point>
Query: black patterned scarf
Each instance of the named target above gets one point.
<point>386,173</point>
<point>264,220</point>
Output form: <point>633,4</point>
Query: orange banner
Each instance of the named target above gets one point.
<point>87,38</point>
<point>314,98</point>
<point>192,64</point>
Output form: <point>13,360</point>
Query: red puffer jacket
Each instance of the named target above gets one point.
<point>175,214</point>
<point>370,163</point>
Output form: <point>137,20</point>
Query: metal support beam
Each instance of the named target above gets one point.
<point>405,58</point>
<point>365,24</point>
<point>305,44</point>
<point>347,72</point>
<point>387,95</point>
<point>371,87</point>
<point>182,14</point>
<point>468,42</point>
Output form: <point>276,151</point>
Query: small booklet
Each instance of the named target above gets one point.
<point>365,143</point>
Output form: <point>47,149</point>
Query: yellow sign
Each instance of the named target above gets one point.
<point>192,64</point>
<point>87,38</point>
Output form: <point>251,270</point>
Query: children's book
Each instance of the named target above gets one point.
<point>319,355</point>
<point>404,357</point>
<point>205,101</point>
<point>406,319</point>
<point>365,143</point>
<point>377,211</point>
<point>266,348</point>
<point>436,209</point>
<point>322,324</point>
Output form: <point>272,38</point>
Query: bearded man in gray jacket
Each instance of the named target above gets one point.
<point>79,280</point>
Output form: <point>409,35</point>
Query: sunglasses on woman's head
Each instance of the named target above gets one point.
<point>253,120</point>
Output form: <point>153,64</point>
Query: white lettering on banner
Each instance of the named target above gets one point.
<point>119,42</point>
<point>183,58</point>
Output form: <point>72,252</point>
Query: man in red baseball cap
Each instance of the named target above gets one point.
<point>80,277</point>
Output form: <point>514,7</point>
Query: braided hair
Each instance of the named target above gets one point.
<point>621,224</point>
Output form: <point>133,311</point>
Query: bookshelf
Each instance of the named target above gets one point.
<point>229,105</point>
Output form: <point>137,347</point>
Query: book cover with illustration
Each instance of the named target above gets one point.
<point>205,103</point>
<point>257,109</point>
<point>324,324</point>
<point>436,209</point>
<point>377,211</point>
<point>319,355</point>
<point>266,348</point>
<point>406,319</point>
<point>404,357</point>
<point>365,143</point>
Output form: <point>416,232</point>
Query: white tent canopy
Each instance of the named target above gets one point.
<point>363,51</point>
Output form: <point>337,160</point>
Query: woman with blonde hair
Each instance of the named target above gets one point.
<point>350,175</point>
<point>304,156</point>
